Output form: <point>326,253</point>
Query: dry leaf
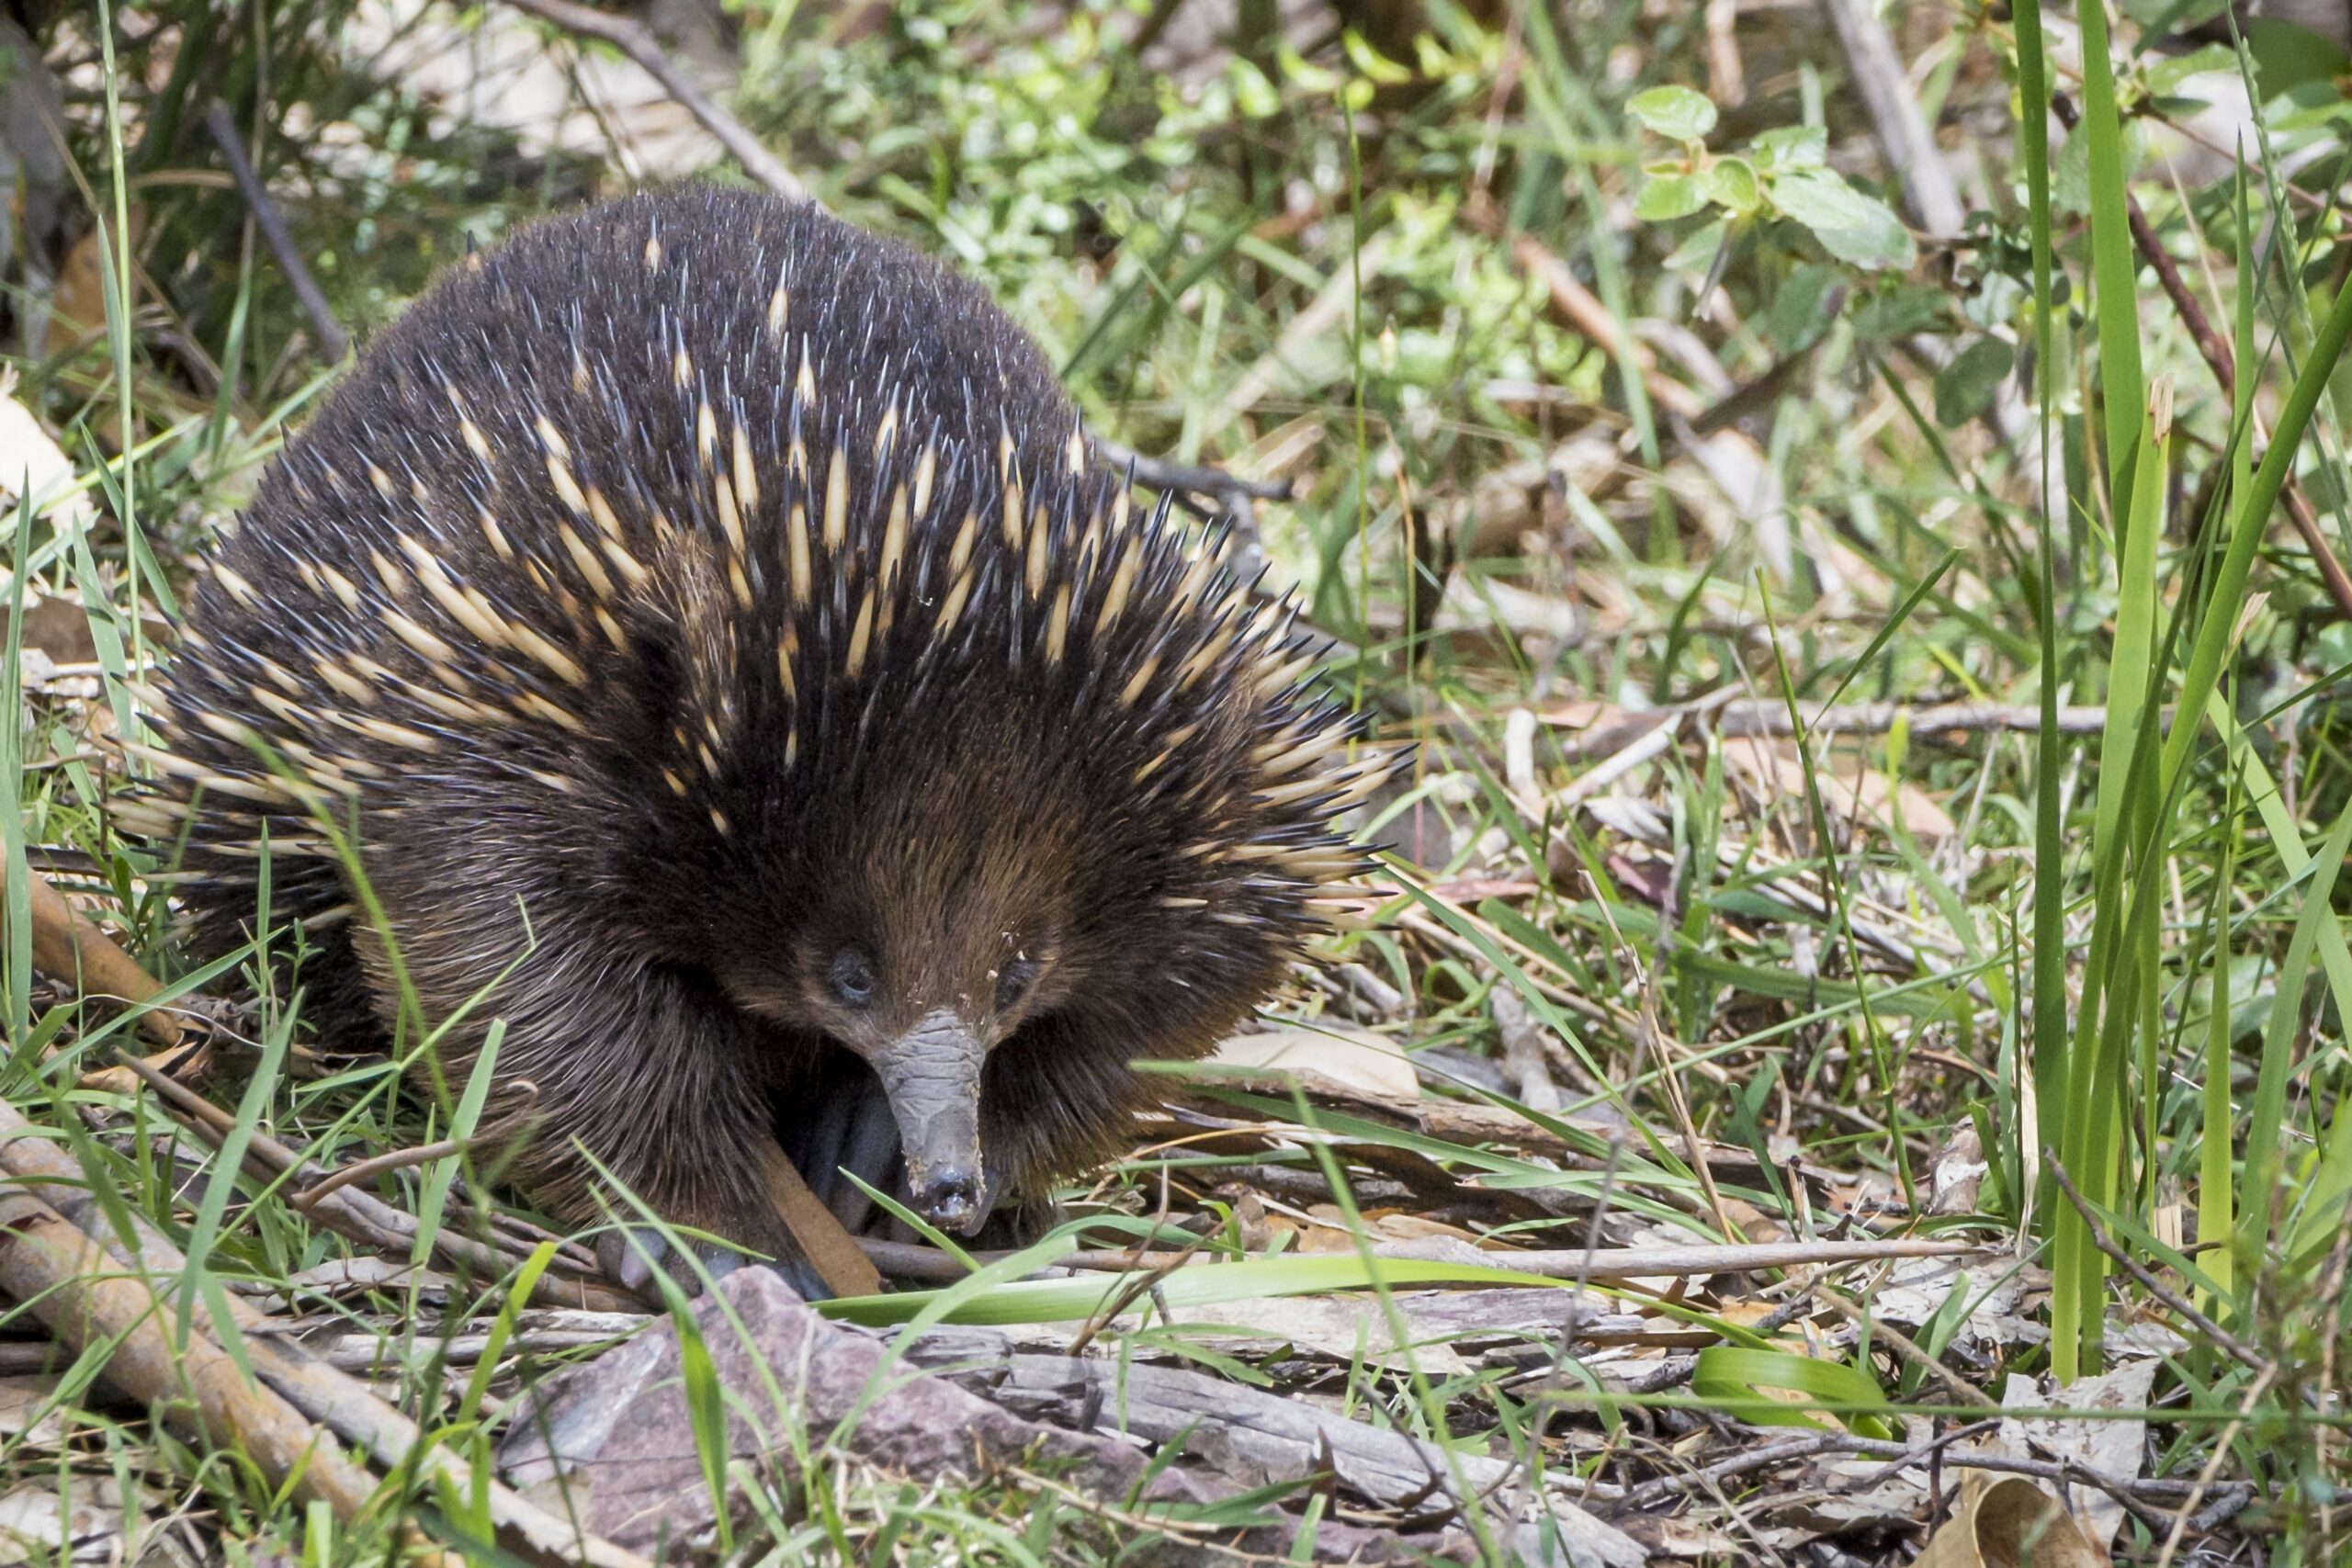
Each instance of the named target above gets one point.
<point>28,1416</point>
<point>1849,789</point>
<point>81,1523</point>
<point>2114,1449</point>
<point>32,463</point>
<point>2009,1523</point>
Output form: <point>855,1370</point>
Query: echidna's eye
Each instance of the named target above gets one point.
<point>852,977</point>
<point>1012,981</point>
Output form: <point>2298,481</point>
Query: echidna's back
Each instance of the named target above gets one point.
<point>451,546</point>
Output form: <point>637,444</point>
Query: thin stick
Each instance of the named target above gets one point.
<point>1191,479</point>
<point>2238,1349</point>
<point>368,1169</point>
<point>332,341</point>
<point>1908,1348</point>
<point>361,1217</point>
<point>2218,359</point>
<point>631,38</point>
<point>1761,717</point>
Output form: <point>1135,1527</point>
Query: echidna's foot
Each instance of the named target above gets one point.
<point>637,1256</point>
<point>853,1130</point>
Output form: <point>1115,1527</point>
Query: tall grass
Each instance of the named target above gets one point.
<point>2101,1083</point>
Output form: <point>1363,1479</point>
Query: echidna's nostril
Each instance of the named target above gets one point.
<point>951,1198</point>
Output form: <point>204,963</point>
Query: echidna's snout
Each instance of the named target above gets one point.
<point>932,1074</point>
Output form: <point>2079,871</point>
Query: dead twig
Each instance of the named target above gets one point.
<point>632,39</point>
<point>1188,479</point>
<point>2140,1495</point>
<point>2237,1349</point>
<point>368,1169</point>
<point>326,331</point>
<point>361,1217</point>
<point>2218,359</point>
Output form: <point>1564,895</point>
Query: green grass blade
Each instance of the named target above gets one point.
<point>2114,270</point>
<point>2265,1119</point>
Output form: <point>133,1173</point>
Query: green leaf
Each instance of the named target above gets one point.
<point>2266,1118</point>
<point>1802,307</point>
<point>2164,73</point>
<point>1667,196</point>
<point>1790,147</point>
<point>1902,310</point>
<point>1074,1300</point>
<point>1968,384</point>
<point>1731,183</point>
<point>1696,254</point>
<point>1375,66</point>
<point>1253,94</point>
<point>1855,228</point>
<point>2114,264</point>
<point>1676,112</point>
<point>2287,56</point>
<point>1740,1378</point>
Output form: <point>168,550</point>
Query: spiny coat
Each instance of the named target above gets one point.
<point>707,625</point>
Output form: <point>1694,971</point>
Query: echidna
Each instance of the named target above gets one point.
<point>709,627</point>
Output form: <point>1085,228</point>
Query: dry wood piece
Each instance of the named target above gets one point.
<point>49,1267</point>
<point>617,1436</point>
<point>67,947</point>
<point>84,1298</point>
<point>829,1247</point>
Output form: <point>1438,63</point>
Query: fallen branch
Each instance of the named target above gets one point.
<point>618,1432</point>
<point>632,39</point>
<point>42,1265</point>
<point>85,1298</point>
<point>1760,717</point>
<point>912,1261</point>
<point>1288,1439</point>
<point>68,948</point>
